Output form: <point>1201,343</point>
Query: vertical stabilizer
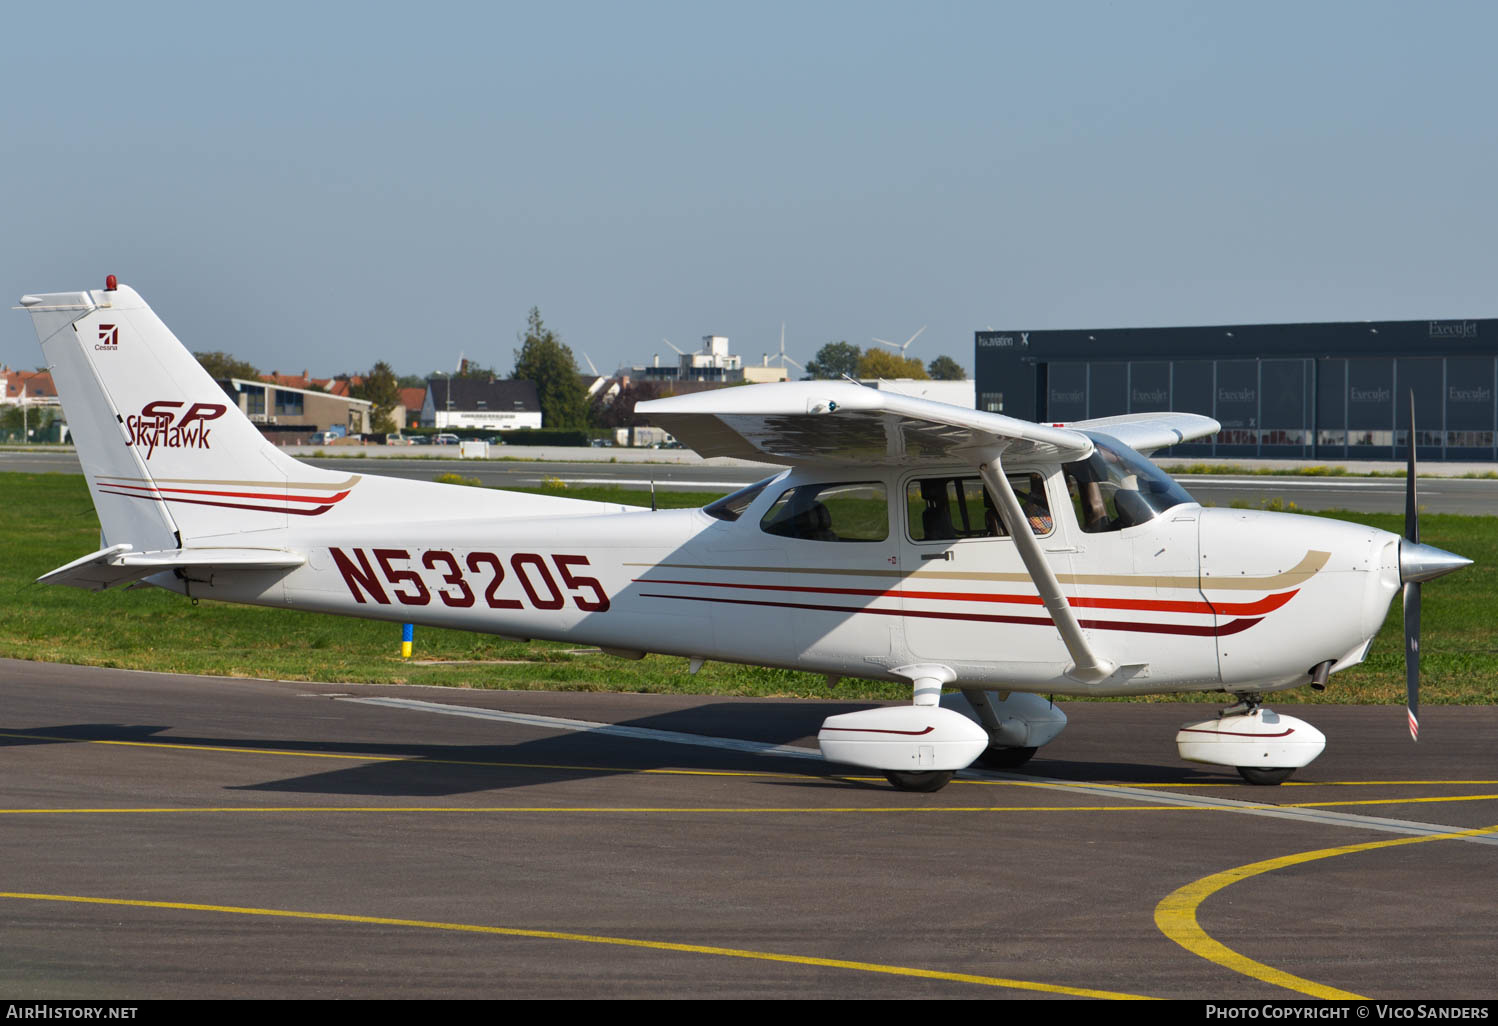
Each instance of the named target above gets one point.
<point>169,457</point>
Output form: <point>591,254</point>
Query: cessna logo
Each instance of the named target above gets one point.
<point>109,338</point>
<point>159,425</point>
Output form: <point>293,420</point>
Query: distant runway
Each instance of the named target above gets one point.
<point>167,836</point>
<point>1470,496</point>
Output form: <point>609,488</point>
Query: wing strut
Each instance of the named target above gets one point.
<point>1088,667</point>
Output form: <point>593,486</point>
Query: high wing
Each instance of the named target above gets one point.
<point>1146,432</point>
<point>838,422</point>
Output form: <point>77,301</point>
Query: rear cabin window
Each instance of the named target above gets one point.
<point>855,512</point>
<point>950,508</point>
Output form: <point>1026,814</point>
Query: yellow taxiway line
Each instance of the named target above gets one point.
<point>627,942</point>
<point>1175,915</point>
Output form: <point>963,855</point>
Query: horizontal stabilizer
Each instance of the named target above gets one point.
<point>120,564</point>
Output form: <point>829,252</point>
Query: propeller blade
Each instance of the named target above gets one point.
<point>1412,655</point>
<point>1411,514</point>
<point>1417,563</point>
<point>1412,589</point>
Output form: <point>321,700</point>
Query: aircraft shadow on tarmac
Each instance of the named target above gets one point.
<point>430,770</point>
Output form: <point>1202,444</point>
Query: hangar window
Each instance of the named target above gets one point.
<point>852,512</point>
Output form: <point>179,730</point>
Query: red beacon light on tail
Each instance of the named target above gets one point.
<point>111,283</point>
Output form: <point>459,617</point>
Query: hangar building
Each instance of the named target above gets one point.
<point>1296,391</point>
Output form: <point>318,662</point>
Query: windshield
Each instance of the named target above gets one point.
<point>1115,488</point>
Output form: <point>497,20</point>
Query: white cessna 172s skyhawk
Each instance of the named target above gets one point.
<point>911,541</point>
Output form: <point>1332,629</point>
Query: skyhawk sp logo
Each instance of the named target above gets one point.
<point>109,338</point>
<point>158,425</point>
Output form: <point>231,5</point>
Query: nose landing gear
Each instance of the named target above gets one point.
<point>1264,746</point>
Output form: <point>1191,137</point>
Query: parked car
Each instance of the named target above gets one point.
<point>445,439</point>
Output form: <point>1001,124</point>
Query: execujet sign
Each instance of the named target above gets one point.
<point>1480,394</point>
<point>1453,329</point>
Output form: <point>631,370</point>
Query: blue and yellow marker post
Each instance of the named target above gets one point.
<point>408,633</point>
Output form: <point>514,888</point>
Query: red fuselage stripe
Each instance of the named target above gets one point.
<point>232,495</point>
<point>875,730</point>
<point>1231,627</point>
<point>1259,608</point>
<point>226,505</point>
<point>1235,733</point>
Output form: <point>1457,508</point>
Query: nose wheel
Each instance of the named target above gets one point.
<point>1264,746</point>
<point>925,783</point>
<point>1265,776</point>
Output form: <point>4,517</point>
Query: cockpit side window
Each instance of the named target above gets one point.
<point>1116,488</point>
<point>851,512</point>
<point>950,508</point>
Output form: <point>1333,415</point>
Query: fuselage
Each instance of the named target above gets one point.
<point>856,572</point>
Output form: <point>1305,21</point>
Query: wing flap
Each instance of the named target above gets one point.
<point>838,422</point>
<point>120,564</point>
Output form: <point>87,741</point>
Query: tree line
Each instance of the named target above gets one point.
<point>548,361</point>
<point>837,359</point>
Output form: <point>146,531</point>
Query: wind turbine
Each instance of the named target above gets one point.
<point>784,359</point>
<point>906,346</point>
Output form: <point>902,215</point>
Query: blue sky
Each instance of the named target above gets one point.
<point>322,186</point>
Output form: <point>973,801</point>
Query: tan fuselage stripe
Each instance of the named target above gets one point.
<point>1303,571</point>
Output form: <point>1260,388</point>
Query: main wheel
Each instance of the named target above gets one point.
<point>1005,758</point>
<point>1266,776</point>
<point>931,780</point>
